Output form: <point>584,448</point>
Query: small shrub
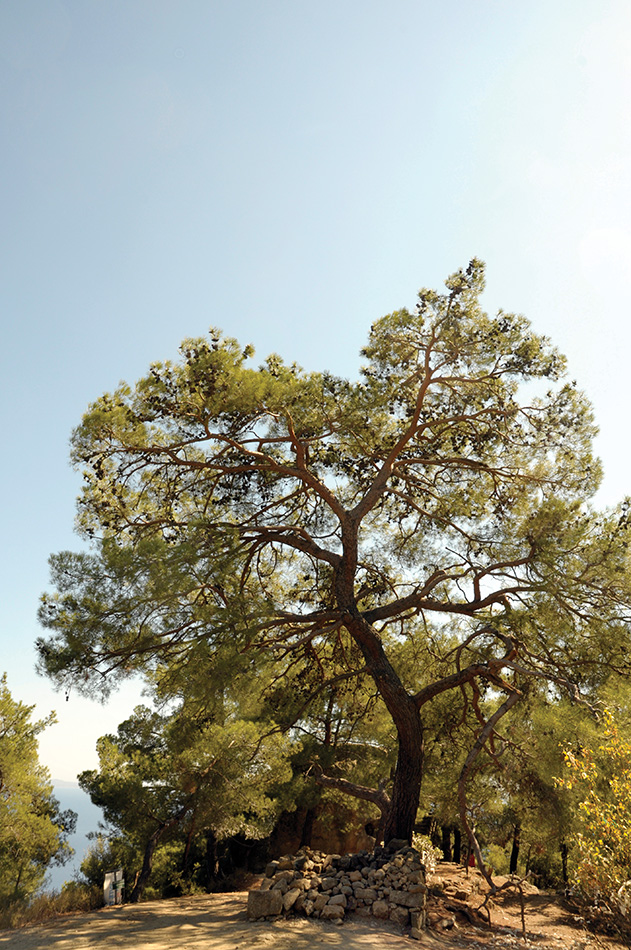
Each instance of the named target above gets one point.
<point>73,898</point>
<point>603,846</point>
<point>429,854</point>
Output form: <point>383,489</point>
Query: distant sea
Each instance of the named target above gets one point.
<point>69,795</point>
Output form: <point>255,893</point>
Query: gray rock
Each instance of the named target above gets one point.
<point>321,901</point>
<point>365,893</point>
<point>338,899</point>
<point>380,910</point>
<point>264,904</point>
<point>290,898</point>
<point>332,912</point>
<point>397,844</point>
<point>399,915</point>
<point>405,899</point>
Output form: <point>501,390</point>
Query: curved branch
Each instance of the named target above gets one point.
<point>378,796</point>
<point>477,747</point>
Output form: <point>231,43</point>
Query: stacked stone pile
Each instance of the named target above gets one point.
<point>388,884</point>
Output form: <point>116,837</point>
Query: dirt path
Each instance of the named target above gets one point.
<point>219,922</point>
<point>211,922</point>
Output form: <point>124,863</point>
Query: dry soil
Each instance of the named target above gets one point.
<point>219,922</point>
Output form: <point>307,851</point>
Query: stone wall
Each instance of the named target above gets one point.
<point>387,883</point>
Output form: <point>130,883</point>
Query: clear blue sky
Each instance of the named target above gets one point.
<point>288,171</point>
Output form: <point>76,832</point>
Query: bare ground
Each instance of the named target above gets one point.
<point>219,922</point>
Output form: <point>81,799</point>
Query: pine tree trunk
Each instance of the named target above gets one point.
<point>406,787</point>
<point>563,849</point>
<point>446,843</point>
<point>143,877</point>
<point>307,828</point>
<point>406,717</point>
<point>186,858</point>
<point>212,862</point>
<point>457,846</point>
<point>514,855</point>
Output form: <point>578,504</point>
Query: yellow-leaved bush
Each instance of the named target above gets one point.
<point>602,779</point>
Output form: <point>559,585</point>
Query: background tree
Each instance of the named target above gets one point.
<point>168,775</point>
<point>33,830</point>
<point>284,512</point>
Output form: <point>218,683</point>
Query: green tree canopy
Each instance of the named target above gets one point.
<point>164,771</point>
<point>33,831</point>
<point>442,500</point>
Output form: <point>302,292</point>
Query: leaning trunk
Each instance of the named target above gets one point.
<point>406,788</point>
<point>564,852</point>
<point>446,844</point>
<point>147,861</point>
<point>514,855</point>
<point>150,847</point>
<point>307,828</point>
<point>212,860</point>
<point>457,846</point>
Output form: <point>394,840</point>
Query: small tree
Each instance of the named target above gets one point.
<point>162,773</point>
<point>33,831</point>
<point>441,500</point>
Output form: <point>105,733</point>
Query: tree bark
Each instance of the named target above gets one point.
<point>478,745</point>
<point>514,855</point>
<point>186,858</point>
<point>307,828</point>
<point>564,850</point>
<point>147,861</point>
<point>212,862</point>
<point>457,846</point>
<point>401,705</point>
<point>446,842</point>
<point>376,795</point>
<point>406,788</point>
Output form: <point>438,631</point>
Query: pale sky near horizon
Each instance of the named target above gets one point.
<point>288,171</point>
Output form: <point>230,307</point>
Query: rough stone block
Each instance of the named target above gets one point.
<point>264,904</point>
<point>399,915</point>
<point>380,910</point>
<point>290,898</point>
<point>321,901</point>
<point>332,912</point>
<point>365,893</point>
<point>396,844</point>
<point>406,899</point>
<point>338,899</point>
